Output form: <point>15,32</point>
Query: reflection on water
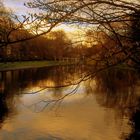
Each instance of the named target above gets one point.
<point>135,123</point>
<point>103,107</point>
<point>117,89</point>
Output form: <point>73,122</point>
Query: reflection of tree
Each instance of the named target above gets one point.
<point>116,80</point>
<point>56,80</point>
<point>4,110</point>
<point>53,103</point>
<point>135,122</point>
<point>117,89</point>
<point>6,106</point>
<point>50,77</point>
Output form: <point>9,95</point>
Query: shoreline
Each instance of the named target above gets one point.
<point>29,64</point>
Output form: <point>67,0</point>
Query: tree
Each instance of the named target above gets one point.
<point>58,44</point>
<point>115,18</point>
<point>11,24</point>
<point>6,24</point>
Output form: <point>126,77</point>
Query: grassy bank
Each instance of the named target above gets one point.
<point>28,64</point>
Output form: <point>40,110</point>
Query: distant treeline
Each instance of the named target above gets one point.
<point>56,45</point>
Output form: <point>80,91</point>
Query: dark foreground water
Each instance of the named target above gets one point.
<point>105,107</point>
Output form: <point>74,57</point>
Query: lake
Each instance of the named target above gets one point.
<point>69,103</point>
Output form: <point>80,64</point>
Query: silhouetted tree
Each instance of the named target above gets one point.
<point>114,18</point>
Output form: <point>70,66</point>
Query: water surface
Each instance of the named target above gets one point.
<point>101,107</point>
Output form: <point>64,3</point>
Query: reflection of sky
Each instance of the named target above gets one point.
<point>54,94</point>
<point>84,120</point>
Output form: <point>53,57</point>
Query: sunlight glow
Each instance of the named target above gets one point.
<point>67,28</point>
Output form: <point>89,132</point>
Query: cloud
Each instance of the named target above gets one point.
<point>17,6</point>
